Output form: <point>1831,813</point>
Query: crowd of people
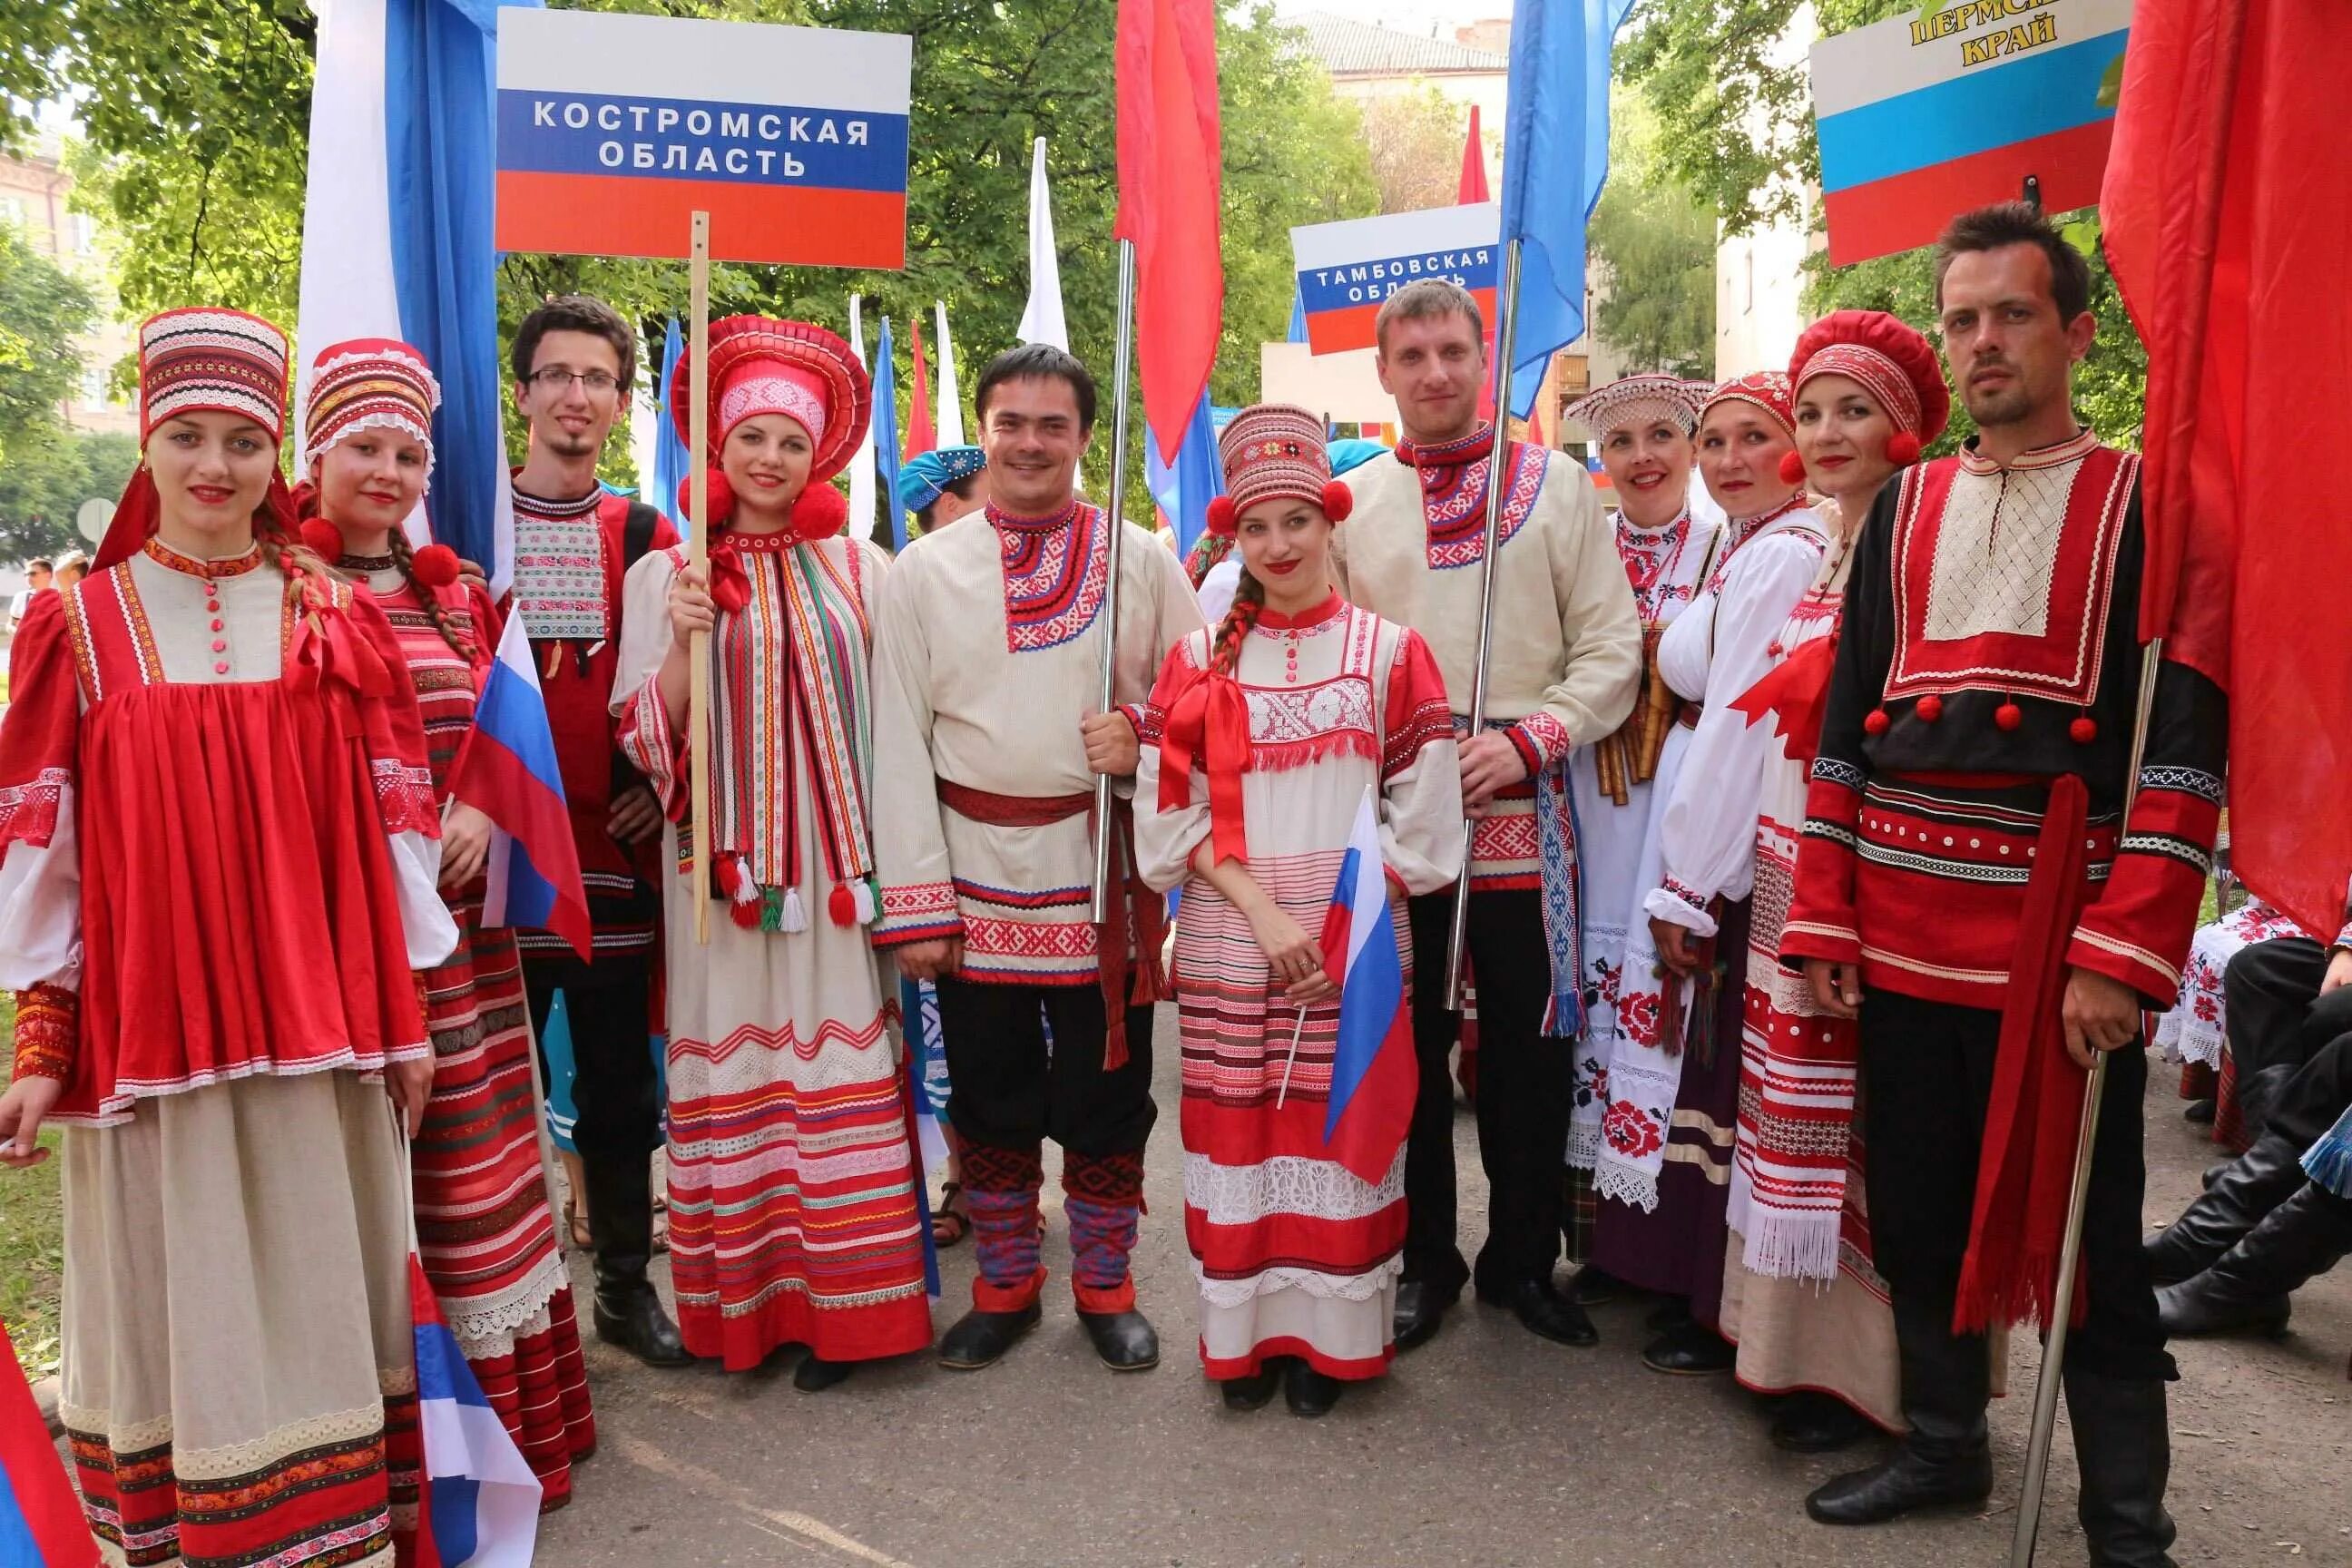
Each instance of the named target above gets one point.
<point>1804,847</point>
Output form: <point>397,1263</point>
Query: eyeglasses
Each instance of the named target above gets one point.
<point>555,378</point>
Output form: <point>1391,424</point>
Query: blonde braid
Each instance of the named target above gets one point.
<point>404,558</point>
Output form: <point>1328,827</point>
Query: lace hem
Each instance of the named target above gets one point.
<point>29,811</point>
<point>490,1326</point>
<point>1627,1186</point>
<point>1308,1281</point>
<point>1287,1184</point>
<point>404,798</point>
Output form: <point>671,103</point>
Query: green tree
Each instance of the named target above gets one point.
<point>46,478</point>
<point>1415,140</point>
<point>43,310</point>
<point>1656,243</point>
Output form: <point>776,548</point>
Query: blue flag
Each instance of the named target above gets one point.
<point>1298,315</point>
<point>1185,487</point>
<point>886,437</point>
<point>1555,157</point>
<point>670,459</point>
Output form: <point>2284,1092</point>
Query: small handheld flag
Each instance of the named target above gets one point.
<point>1372,1073</point>
<point>507,766</point>
<point>481,1507</point>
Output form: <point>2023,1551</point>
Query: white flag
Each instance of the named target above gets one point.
<point>861,467</point>
<point>950,397</point>
<point>1042,322</point>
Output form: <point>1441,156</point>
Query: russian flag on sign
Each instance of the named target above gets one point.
<point>481,1507</point>
<point>614,129</point>
<point>1347,269</point>
<point>507,767</point>
<point>1373,1075</point>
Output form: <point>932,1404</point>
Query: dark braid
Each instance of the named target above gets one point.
<point>1226,647</point>
<point>404,557</point>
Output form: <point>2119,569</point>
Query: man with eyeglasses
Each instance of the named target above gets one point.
<point>573,361</point>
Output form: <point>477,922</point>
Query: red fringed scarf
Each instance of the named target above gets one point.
<point>1209,722</point>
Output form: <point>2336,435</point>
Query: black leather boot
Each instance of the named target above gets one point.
<point>629,1314</point>
<point>1125,1341</point>
<point>2234,1203</point>
<point>2124,1450</point>
<point>1421,1307</point>
<point>1309,1393</point>
<point>2248,1287</point>
<point>979,1338</point>
<point>1946,1461</point>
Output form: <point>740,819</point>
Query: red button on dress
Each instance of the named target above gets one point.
<point>221,669</point>
<point>219,646</point>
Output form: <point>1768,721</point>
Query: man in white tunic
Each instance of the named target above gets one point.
<point>988,670</point>
<point>1566,659</point>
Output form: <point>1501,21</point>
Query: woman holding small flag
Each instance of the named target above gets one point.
<point>1327,792</point>
<point>221,849</point>
<point>485,1231</point>
<point>793,1209</point>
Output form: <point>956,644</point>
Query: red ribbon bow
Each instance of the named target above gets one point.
<point>1210,721</point>
<point>730,590</point>
<point>325,648</point>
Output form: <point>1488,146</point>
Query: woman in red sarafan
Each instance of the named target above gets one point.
<point>220,846</point>
<point>485,1232</point>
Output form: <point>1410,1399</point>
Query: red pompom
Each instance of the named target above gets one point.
<point>1222,519</point>
<point>722,497</point>
<point>1792,467</point>
<point>325,540</point>
<point>1339,501</point>
<point>2083,730</point>
<point>435,565</point>
<point>1875,721</point>
<point>745,913</point>
<point>1929,708</point>
<point>1903,448</point>
<point>821,512</point>
<point>2008,716</point>
<point>841,904</point>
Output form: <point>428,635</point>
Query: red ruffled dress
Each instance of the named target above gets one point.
<point>216,875</point>
<point>485,1231</point>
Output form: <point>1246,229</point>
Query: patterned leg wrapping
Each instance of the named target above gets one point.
<point>1103,1193</point>
<point>1000,1189</point>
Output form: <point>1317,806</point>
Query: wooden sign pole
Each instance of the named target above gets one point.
<point>697,698</point>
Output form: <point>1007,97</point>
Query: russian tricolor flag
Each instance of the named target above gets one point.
<point>480,1505</point>
<point>614,129</point>
<point>41,1523</point>
<point>1939,111</point>
<point>1347,269</point>
<point>507,767</point>
<point>1373,1075</point>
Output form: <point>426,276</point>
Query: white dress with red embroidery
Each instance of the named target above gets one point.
<point>1296,1253</point>
<point>1701,841</point>
<point>2197,1029</point>
<point>792,1197</point>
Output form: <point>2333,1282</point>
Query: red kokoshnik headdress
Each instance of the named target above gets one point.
<point>1889,360</point>
<point>1275,451</point>
<point>761,365</point>
<point>368,383</point>
<point>1765,389</point>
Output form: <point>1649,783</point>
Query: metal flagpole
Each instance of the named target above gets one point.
<point>697,468</point>
<point>1098,906</point>
<point>2070,1251</point>
<point>1507,327</point>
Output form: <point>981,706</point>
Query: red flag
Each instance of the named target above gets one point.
<point>2227,238</point>
<point>922,435</point>
<point>41,1520</point>
<point>1169,158</point>
<point>1474,166</point>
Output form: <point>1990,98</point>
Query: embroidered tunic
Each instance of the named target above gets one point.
<point>987,654</point>
<point>1295,1254</point>
<point>792,1188</point>
<point>485,1231</point>
<point>220,836</point>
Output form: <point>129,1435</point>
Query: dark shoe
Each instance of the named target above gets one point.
<point>1309,1393</point>
<point>1946,1461</point>
<point>1546,1313</point>
<point>2248,1187</point>
<point>1669,1315</point>
<point>628,1313</point>
<point>1126,1341</point>
<point>1691,1351</point>
<point>1594,1287</point>
<point>979,1339</point>
<point>1421,1309</point>
<point>2248,1287</point>
<point>2124,1451</point>
<point>815,1374</point>
<point>1810,1423</point>
<point>2200,1113</point>
<point>1251,1393</point>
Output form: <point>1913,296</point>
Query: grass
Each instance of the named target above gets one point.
<point>32,1246</point>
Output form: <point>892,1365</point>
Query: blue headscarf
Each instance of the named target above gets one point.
<point>923,480</point>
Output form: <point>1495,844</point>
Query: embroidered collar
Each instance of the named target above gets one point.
<point>1447,454</point>
<point>551,507</point>
<point>236,565</point>
<point>1638,537</point>
<point>1273,621</point>
<point>2081,445</point>
<point>347,561</point>
<point>1744,529</point>
<point>771,542</point>
<point>1067,515</point>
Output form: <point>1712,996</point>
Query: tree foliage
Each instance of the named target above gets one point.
<point>43,310</point>
<point>1415,140</point>
<point>48,476</point>
<point>1655,242</point>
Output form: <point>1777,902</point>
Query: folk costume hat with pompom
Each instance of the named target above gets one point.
<point>372,383</point>
<point>1642,400</point>
<point>1889,360</point>
<point>761,365</point>
<point>1275,451</point>
<point>202,360</point>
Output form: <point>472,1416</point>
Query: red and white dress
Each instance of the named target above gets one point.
<point>791,1186</point>
<point>485,1231</point>
<point>1295,1254</point>
<point>220,849</point>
